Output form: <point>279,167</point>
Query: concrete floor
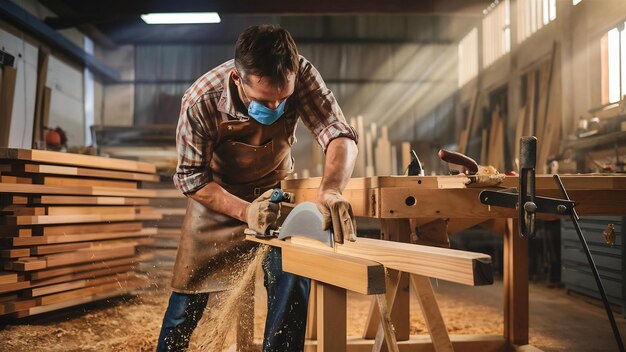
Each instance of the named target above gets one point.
<point>558,322</point>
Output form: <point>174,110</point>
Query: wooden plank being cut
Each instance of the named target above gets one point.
<point>76,171</point>
<point>446,264</point>
<point>354,274</point>
<point>86,200</point>
<point>92,191</point>
<point>82,182</point>
<point>50,157</point>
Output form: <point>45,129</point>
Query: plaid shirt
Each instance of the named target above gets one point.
<point>209,101</point>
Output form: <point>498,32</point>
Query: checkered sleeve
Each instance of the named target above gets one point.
<point>195,149</point>
<point>319,109</point>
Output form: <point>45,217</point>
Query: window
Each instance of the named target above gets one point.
<point>468,57</point>
<point>496,31</point>
<point>614,64</point>
<point>533,15</point>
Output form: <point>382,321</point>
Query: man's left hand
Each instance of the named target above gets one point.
<point>337,212</point>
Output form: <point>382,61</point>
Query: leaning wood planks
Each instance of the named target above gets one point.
<point>70,228</point>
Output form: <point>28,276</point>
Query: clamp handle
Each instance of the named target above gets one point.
<point>526,199</point>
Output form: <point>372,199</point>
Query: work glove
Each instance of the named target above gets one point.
<point>262,213</point>
<point>337,211</point>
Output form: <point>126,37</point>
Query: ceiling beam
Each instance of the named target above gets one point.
<point>284,7</point>
<point>19,17</point>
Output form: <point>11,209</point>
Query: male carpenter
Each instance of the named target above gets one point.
<point>234,137</point>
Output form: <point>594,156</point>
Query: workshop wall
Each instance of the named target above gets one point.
<point>67,109</point>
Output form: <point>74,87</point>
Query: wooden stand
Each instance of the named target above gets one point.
<point>396,200</point>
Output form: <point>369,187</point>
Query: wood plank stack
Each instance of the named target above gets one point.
<point>70,226</point>
<point>154,144</point>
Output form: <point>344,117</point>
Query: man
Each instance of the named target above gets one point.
<point>234,138</point>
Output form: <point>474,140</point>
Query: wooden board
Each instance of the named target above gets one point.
<point>48,273</point>
<point>86,200</point>
<point>93,191</point>
<point>76,171</point>
<point>91,228</point>
<point>354,274</point>
<point>7,278</point>
<point>82,182</point>
<point>423,343</point>
<point>94,253</point>
<point>68,219</point>
<point>446,264</point>
<point>83,275</point>
<point>50,157</point>
<point>40,240</point>
<point>84,296</point>
<point>7,94</point>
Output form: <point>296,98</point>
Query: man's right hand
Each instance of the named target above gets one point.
<point>262,213</point>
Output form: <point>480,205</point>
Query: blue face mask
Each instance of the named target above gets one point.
<point>265,115</point>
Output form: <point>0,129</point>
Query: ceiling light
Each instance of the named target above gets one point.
<point>181,18</point>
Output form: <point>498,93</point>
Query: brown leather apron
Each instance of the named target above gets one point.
<point>248,159</point>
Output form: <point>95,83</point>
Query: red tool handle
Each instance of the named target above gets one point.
<point>459,159</point>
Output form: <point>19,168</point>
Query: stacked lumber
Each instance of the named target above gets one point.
<point>70,226</point>
<point>171,204</point>
<point>154,144</point>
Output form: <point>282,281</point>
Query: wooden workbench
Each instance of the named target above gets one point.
<point>396,199</point>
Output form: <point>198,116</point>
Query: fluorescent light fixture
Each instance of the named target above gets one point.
<point>181,17</point>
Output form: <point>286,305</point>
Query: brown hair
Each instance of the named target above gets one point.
<point>266,51</point>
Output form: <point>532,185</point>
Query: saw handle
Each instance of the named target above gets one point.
<point>459,159</point>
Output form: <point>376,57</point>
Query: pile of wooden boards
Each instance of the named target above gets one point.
<point>154,144</point>
<point>70,226</point>
<point>171,204</point>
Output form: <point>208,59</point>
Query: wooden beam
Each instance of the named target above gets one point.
<point>515,283</point>
<point>446,264</point>
<point>331,318</point>
<point>355,274</point>
<point>98,162</point>
<point>385,332</point>
<point>7,94</point>
<point>432,315</point>
<point>92,191</point>
<point>423,343</point>
<point>75,171</point>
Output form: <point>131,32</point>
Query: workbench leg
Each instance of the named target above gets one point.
<point>515,281</point>
<point>432,315</point>
<point>331,318</point>
<point>399,230</point>
<point>399,313</point>
<point>385,331</point>
<point>245,323</point>
<point>311,323</point>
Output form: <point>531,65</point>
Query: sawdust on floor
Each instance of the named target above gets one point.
<point>133,323</point>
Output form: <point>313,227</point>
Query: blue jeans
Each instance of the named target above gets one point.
<point>287,301</point>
